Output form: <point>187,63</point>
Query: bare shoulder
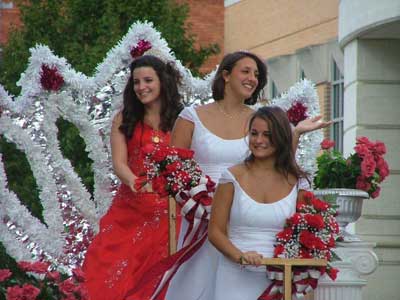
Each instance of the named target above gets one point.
<point>238,170</point>
<point>205,108</point>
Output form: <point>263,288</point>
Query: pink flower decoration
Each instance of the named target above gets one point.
<point>362,150</point>
<point>141,47</point>
<point>376,193</point>
<point>327,144</point>
<point>368,166</point>
<point>26,292</point>
<point>4,274</point>
<point>35,267</point>
<point>50,78</point>
<point>297,113</point>
<point>379,148</point>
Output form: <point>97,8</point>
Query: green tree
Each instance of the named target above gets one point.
<point>83,31</point>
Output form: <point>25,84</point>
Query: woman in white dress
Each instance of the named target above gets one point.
<point>217,132</point>
<point>251,204</point>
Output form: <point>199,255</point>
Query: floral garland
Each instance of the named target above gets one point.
<point>310,233</point>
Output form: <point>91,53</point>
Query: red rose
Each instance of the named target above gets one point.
<point>278,250</point>
<point>295,219</point>
<point>26,292</point>
<point>160,155</point>
<point>185,153</point>
<point>285,234</point>
<point>173,167</point>
<point>5,274</point>
<point>315,221</point>
<point>319,205</point>
<point>310,241</point>
<point>327,144</point>
<point>78,274</point>
<point>305,253</point>
<point>160,186</point>
<point>332,273</point>
<point>141,47</point>
<point>331,242</point>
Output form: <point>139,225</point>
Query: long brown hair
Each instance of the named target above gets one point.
<point>171,105</point>
<point>281,138</point>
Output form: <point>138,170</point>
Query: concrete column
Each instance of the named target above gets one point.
<point>372,109</point>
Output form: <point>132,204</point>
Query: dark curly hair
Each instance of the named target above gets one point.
<point>281,138</point>
<point>227,64</point>
<point>171,101</point>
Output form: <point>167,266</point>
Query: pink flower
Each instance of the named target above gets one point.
<point>26,292</point>
<point>364,140</point>
<point>67,287</point>
<point>376,193</point>
<point>327,144</point>
<point>4,274</point>
<point>78,274</point>
<point>383,168</point>
<point>363,184</point>
<point>368,166</point>
<point>36,267</point>
<point>50,78</point>
<point>379,148</point>
<point>362,150</point>
<point>55,276</point>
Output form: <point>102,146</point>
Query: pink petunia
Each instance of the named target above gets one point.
<point>327,144</point>
<point>4,274</point>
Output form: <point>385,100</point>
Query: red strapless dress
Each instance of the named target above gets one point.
<point>133,234</point>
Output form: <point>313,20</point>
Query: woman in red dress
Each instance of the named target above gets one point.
<point>133,234</point>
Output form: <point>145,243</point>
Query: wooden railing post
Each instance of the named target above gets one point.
<point>172,225</point>
<point>288,263</point>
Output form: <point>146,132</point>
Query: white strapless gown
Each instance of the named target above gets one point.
<point>252,227</point>
<point>195,279</point>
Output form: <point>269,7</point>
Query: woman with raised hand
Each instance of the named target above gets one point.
<point>217,132</point>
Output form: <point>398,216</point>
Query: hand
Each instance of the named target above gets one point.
<point>140,184</point>
<point>252,258</point>
<point>311,124</point>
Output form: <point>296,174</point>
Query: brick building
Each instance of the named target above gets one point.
<point>9,16</point>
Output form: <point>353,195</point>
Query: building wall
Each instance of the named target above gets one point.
<point>9,16</point>
<point>207,23</point>
<point>272,28</point>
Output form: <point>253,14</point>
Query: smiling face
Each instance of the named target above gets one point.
<point>243,79</point>
<point>260,139</point>
<point>146,85</point>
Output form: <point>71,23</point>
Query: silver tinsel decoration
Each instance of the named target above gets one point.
<point>29,121</point>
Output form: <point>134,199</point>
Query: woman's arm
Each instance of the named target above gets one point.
<point>119,152</point>
<point>307,125</point>
<point>218,227</point>
<point>182,133</point>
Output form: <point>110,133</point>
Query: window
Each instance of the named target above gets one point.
<point>337,107</point>
<point>274,90</point>
<point>302,75</point>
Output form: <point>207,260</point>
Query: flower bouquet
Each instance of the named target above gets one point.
<point>38,282</point>
<point>364,170</point>
<point>310,233</point>
<point>174,172</point>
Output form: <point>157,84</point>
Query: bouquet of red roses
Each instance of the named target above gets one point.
<point>174,172</point>
<point>310,233</point>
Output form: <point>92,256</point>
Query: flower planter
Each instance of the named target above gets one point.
<point>349,206</point>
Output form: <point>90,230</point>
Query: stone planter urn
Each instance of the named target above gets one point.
<point>349,206</point>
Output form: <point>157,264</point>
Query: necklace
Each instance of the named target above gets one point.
<point>230,116</point>
<point>156,136</point>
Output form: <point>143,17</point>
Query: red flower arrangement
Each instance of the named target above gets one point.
<point>310,233</point>
<point>141,47</point>
<point>297,112</point>
<point>50,78</point>
<point>174,172</point>
<point>40,282</point>
<point>365,169</point>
